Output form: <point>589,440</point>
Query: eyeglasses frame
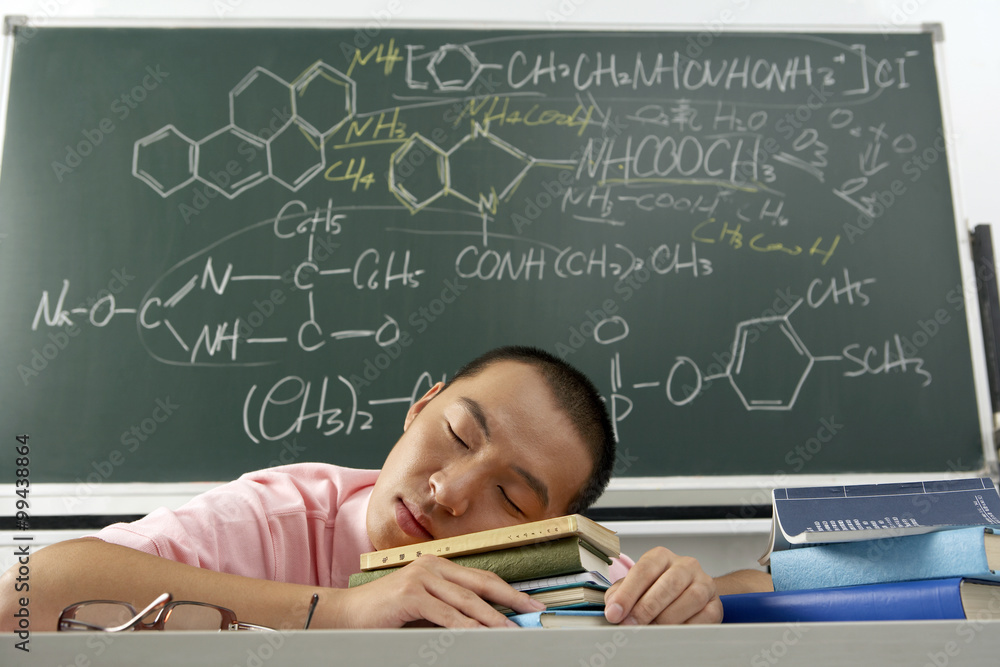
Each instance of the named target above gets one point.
<point>163,605</point>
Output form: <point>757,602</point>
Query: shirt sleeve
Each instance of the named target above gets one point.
<point>225,529</point>
<point>271,524</point>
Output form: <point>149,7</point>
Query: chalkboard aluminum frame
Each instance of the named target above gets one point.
<point>623,493</point>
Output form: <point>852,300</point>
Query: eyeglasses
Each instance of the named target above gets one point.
<point>163,612</point>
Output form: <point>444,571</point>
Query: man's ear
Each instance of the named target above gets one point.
<point>417,407</point>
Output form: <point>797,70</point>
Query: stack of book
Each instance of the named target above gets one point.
<point>562,562</point>
<point>921,550</point>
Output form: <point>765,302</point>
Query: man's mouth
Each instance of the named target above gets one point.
<point>409,522</point>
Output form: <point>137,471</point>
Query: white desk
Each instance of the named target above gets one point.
<point>909,644</point>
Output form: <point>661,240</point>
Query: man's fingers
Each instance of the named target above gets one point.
<point>467,590</point>
<point>424,594</point>
<point>663,588</point>
<point>488,586</point>
<point>466,603</point>
<point>712,613</point>
<point>621,598</point>
<point>613,610</point>
<point>686,606</point>
<point>440,612</point>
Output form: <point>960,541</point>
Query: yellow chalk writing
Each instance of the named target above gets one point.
<point>387,54</point>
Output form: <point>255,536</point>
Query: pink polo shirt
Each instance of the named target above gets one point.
<point>302,523</point>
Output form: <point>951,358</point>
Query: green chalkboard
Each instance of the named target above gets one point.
<point>223,248</point>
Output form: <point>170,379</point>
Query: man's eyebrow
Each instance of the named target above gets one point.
<point>477,412</point>
<point>537,485</point>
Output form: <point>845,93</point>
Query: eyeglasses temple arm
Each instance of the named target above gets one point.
<point>73,624</point>
<point>240,625</point>
<point>161,600</point>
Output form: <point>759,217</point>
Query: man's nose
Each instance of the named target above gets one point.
<point>455,486</point>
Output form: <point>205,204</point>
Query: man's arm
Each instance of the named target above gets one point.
<point>88,568</point>
<point>743,581</point>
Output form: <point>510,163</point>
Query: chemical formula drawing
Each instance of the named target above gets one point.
<point>735,238</point>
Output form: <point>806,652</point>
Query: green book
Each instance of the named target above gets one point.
<point>534,561</point>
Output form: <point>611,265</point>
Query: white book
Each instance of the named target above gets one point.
<point>596,579</point>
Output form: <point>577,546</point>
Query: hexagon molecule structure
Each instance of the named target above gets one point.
<point>261,104</point>
<point>295,155</point>
<point>324,99</point>
<point>418,172</point>
<point>508,166</point>
<point>230,161</point>
<point>165,160</point>
<point>454,67</point>
<point>768,371</point>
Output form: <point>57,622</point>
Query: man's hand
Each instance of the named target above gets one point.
<point>663,588</point>
<point>436,590</point>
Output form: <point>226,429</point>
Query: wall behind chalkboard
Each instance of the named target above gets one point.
<point>231,247</point>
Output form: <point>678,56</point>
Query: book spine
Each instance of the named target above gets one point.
<point>950,553</point>
<point>901,601</point>
<point>579,579</point>
<point>474,542</point>
<point>548,559</point>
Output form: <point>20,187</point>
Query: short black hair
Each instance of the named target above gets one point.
<point>580,400</point>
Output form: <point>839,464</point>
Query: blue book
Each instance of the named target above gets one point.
<point>954,598</point>
<point>560,619</point>
<point>972,553</point>
<point>814,515</point>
